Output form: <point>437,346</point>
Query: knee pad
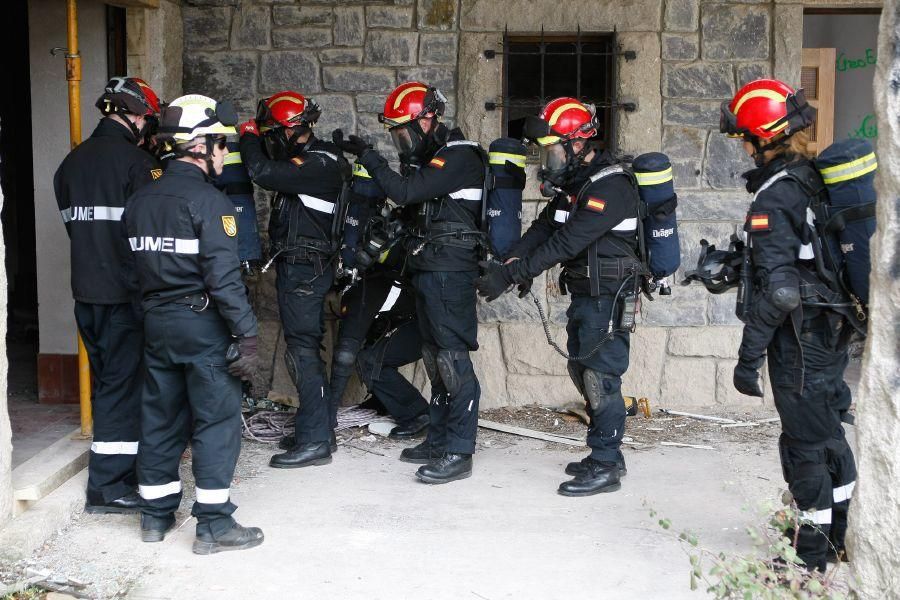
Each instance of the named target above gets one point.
<point>576,374</point>
<point>451,376</point>
<point>345,356</point>
<point>429,359</point>
<point>601,389</point>
<point>292,360</point>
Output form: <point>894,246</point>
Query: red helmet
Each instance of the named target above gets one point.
<point>129,95</point>
<point>412,100</point>
<point>765,108</point>
<point>562,119</point>
<point>288,109</point>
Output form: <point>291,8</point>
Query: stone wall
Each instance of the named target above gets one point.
<point>691,55</point>
<point>875,512</point>
<point>6,495</point>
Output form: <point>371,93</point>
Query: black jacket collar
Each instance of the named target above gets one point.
<point>186,169</point>
<point>110,128</point>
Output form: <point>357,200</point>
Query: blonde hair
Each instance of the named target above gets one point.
<point>796,146</point>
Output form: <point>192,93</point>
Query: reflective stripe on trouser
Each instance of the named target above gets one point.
<point>301,302</point>
<point>378,366</point>
<point>445,307</point>
<point>587,324</point>
<point>114,342</point>
<point>815,456</point>
<point>189,397</point>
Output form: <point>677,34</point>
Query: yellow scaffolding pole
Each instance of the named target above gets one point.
<point>73,78</point>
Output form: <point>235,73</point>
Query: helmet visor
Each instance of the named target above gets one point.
<point>553,157</point>
<point>728,122</point>
<point>405,140</point>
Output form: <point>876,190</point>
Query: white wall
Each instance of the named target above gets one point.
<point>50,131</point>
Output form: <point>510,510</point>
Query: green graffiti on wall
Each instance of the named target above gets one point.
<point>867,130</point>
<point>848,64</point>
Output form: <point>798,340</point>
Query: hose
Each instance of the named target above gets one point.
<point>270,426</point>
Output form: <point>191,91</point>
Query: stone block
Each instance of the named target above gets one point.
<point>735,32</point>
<point>368,126</point>
<point>687,173</point>
<point>437,14</point>
<point>389,17</point>
<point>553,15</point>
<point>481,80</point>
<point>349,26</point>
<point>508,308</point>
<point>391,48</point>
<point>725,162</point>
<point>304,37</point>
<point>337,112</point>
<point>205,28</point>
<point>680,46</point>
<point>372,103</point>
<point>684,143</point>
<point>543,390</point>
<point>688,382</point>
<point>527,351</point>
<point>302,16</point>
<point>685,307</point>
<point>489,368</point>
<point>787,21</point>
<point>250,28</point>
<point>640,131</point>
<point>693,113</point>
<point>721,309</point>
<point>682,15</point>
<point>212,2</point>
<point>698,80</point>
<point>752,71</point>
<point>437,48</point>
<point>288,70</point>
<point>728,396</point>
<point>341,56</point>
<point>718,342</point>
<point>647,358</point>
<point>705,205</point>
<point>443,78</point>
<point>221,75</point>
<point>358,79</point>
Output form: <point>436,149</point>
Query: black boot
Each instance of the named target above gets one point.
<point>410,429</point>
<point>129,503</point>
<point>289,441</point>
<point>303,455</point>
<point>599,477</point>
<point>578,468</point>
<point>236,538</point>
<point>154,529</point>
<point>449,467</point>
<point>421,454</point>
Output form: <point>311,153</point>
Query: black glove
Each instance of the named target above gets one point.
<point>747,378</point>
<point>243,360</point>
<point>355,145</point>
<point>494,282</point>
<point>524,288</point>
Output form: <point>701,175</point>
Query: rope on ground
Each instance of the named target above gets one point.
<point>270,426</point>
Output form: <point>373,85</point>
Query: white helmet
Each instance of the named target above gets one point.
<point>192,116</point>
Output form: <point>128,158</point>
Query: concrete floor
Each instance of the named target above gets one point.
<point>363,527</point>
<point>36,426</point>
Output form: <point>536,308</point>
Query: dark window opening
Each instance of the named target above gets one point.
<point>539,68</point>
<point>116,43</point>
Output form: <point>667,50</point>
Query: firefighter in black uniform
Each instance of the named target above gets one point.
<point>444,178</point>
<point>590,226</point>
<point>788,318</point>
<point>304,233</point>
<point>200,332</point>
<point>92,185</point>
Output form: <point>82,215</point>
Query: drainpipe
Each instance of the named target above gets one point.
<point>73,77</point>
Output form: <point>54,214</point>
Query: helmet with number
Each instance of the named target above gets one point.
<point>403,108</point>
<point>128,95</point>
<point>561,124</point>
<point>765,109</point>
<point>287,109</point>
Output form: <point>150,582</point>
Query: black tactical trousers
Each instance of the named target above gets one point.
<point>113,338</point>
<point>378,368</point>
<point>301,302</point>
<point>189,397</point>
<point>600,375</point>
<point>445,306</point>
<point>810,394</point>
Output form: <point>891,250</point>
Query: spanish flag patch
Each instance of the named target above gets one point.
<point>437,162</point>
<point>595,204</point>
<point>759,221</point>
<point>297,161</point>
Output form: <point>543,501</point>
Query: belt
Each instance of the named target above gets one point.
<point>611,269</point>
<point>197,302</point>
